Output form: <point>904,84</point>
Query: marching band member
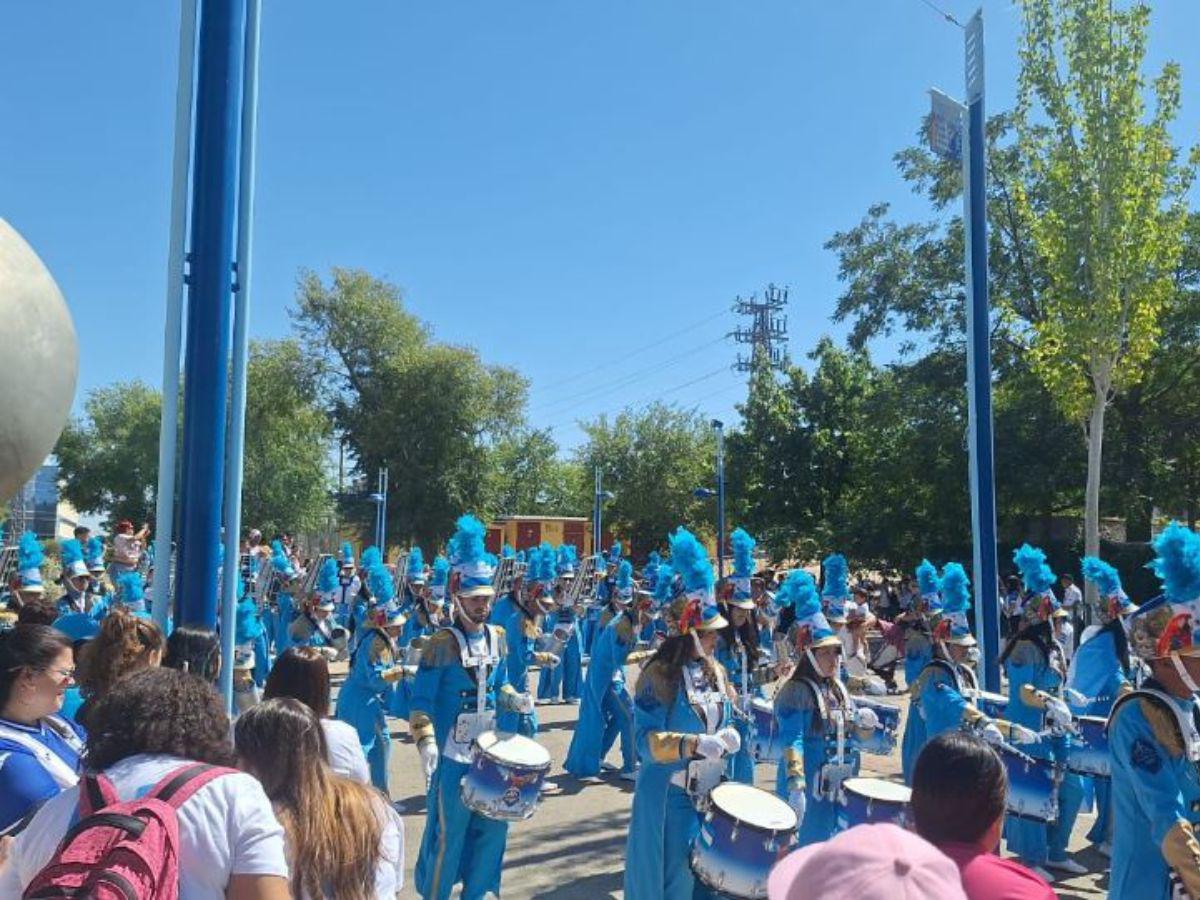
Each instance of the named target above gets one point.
<point>1037,673</point>
<point>738,650</point>
<point>251,636</point>
<point>94,556</point>
<point>354,600</point>
<point>76,580</point>
<point>816,719</point>
<point>285,601</point>
<point>565,681</point>
<point>1154,739</point>
<point>607,709</point>
<point>683,734</point>
<point>918,642</point>
<point>1099,674</point>
<point>424,619</point>
<point>374,669</point>
<point>28,585</point>
<point>348,584</point>
<point>414,579</point>
<point>461,682</point>
<point>606,569</point>
<point>523,631</point>
<point>312,628</point>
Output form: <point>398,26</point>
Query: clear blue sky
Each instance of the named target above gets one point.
<point>558,184</point>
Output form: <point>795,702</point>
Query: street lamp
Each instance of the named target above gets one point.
<point>598,510</point>
<point>719,428</point>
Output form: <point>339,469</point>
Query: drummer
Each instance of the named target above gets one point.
<point>918,640</point>
<point>1153,737</point>
<point>460,663</point>
<point>564,683</point>
<point>312,627</point>
<point>945,693</point>
<point>808,707</point>
<point>533,597</point>
<point>1037,672</point>
<point>348,584</point>
<point>290,580</point>
<point>738,649</point>
<point>1099,674</point>
<point>684,735</point>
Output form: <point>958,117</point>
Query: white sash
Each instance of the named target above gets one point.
<point>56,767</point>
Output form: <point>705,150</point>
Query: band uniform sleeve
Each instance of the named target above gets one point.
<point>655,742</point>
<point>434,659</point>
<point>794,710</point>
<point>1137,745</point>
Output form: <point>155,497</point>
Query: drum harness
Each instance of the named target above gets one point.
<point>832,774</point>
<point>468,726</point>
<point>702,775</point>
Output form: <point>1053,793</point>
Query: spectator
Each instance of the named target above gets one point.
<point>37,609</point>
<point>196,651</point>
<point>40,752</point>
<point>152,724</point>
<point>344,841</point>
<point>82,534</point>
<point>867,862</point>
<point>126,643</point>
<point>959,795</point>
<point>302,673</point>
<point>127,549</point>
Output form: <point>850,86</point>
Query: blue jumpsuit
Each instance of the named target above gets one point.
<point>1031,840</point>
<point>1154,785</point>
<point>937,706</point>
<point>741,764</point>
<point>808,745</point>
<point>1097,673</point>
<point>365,697</point>
<point>521,632</point>
<point>566,680</point>
<point>607,709</point>
<point>664,822</point>
<point>249,629</point>
<point>458,845</point>
<point>283,617</point>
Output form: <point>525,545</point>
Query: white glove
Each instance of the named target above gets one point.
<point>710,746</point>
<point>1022,735</point>
<point>1075,698</point>
<point>992,734</point>
<point>866,719</point>
<point>552,661</point>
<point>797,800</point>
<point>1057,714</point>
<point>429,757</point>
<point>523,704</point>
<point>731,739</point>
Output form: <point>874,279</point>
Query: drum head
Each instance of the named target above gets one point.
<point>514,749</point>
<point>878,789</point>
<point>753,806</point>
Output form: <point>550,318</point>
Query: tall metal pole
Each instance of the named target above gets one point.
<point>383,515</point>
<point>720,429</point>
<point>979,363</point>
<point>597,513</point>
<point>168,429</point>
<point>206,371</point>
<point>235,452</point>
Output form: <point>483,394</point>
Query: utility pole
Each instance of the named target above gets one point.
<point>767,331</point>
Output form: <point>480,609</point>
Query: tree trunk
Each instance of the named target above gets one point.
<point>1091,508</point>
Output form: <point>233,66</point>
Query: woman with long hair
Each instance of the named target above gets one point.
<point>126,643</point>
<point>302,673</point>
<point>40,751</point>
<point>683,716</point>
<point>812,708</point>
<point>196,651</point>
<point>343,841</point>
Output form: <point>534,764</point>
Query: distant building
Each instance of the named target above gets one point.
<point>38,507</point>
<point>523,532</point>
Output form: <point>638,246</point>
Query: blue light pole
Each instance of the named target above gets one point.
<point>206,367</point>
<point>719,428</point>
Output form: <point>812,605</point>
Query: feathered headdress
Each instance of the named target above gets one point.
<point>625,579</point>
<point>664,585</point>
<point>836,593</point>
<point>614,553</point>
<point>690,560</point>
<point>280,561</point>
<point>72,558</point>
<point>650,572</point>
<point>469,559</point>
<point>381,584</point>
<point>927,580</point>
<point>507,552</point>
<point>371,557</point>
<point>743,567</point>
<point>799,591</point>
<point>441,572</point>
<point>1037,578</point>
<point>94,554</point>
<point>327,577</point>
<point>1178,563</point>
<point>956,602</point>
<point>1114,602</point>
<point>1170,623</point>
<point>416,566</point>
<point>29,563</point>
<point>347,556</point>
<point>567,556</point>
<point>130,588</point>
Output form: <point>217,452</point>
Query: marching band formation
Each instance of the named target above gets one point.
<point>747,672</point>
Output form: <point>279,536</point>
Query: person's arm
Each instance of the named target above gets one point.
<point>258,887</point>
<point>24,786</point>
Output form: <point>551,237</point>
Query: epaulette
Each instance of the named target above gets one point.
<point>933,667</point>
<point>440,649</point>
<point>625,630</point>
<point>655,675</point>
<point>1164,726</point>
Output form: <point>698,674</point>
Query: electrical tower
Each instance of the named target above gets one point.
<point>767,333</point>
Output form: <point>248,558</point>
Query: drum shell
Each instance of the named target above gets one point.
<point>1032,786</point>
<point>501,789</point>
<point>883,741</point>
<point>765,745</point>
<point>992,705</point>
<point>859,809</point>
<point>733,857</point>
<point>1088,753</point>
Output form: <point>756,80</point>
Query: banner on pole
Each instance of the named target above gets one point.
<point>945,126</point>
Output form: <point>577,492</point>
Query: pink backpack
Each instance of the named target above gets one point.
<point>122,850</point>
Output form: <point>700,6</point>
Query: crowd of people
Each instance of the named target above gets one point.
<point>102,711</point>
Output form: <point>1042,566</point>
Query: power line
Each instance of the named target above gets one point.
<point>941,12</point>
<point>643,400</point>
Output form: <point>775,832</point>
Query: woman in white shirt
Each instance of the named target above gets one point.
<point>345,842</point>
<point>302,673</point>
<point>152,723</point>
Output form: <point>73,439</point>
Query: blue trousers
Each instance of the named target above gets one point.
<point>458,845</point>
<point>618,721</point>
<point>1035,842</point>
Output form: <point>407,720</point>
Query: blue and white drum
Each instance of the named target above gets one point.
<point>505,778</point>
<point>883,741</point>
<point>765,745</point>
<point>872,800</point>
<point>1088,753</point>
<point>1032,785</point>
<point>745,831</point>
<point>992,705</point>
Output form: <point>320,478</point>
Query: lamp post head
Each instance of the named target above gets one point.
<point>704,493</point>
<point>718,424</point>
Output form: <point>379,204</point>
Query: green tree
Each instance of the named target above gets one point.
<point>653,459</point>
<point>108,458</point>
<point>285,484</point>
<point>431,412</point>
<point>1107,216</point>
<point>527,477</point>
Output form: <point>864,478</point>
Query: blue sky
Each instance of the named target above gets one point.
<point>579,189</point>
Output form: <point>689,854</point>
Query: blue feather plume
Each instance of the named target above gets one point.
<point>927,578</point>
<point>441,571</point>
<point>799,591</point>
<point>347,553</point>
<point>1178,563</point>
<point>29,552</point>
<point>507,552</point>
<point>467,542</point>
<point>743,553</point>
<point>614,552</point>
<point>690,560</point>
<point>72,552</point>
<point>625,575</point>
<point>327,578</point>
<point>381,584</point>
<point>371,557</point>
<point>664,584</point>
<point>956,589</point>
<point>95,549</point>
<point>837,576</point>
<point>1106,578</point>
<point>416,563</point>
<point>1035,573</point>
<point>130,587</point>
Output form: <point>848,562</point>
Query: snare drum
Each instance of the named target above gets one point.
<point>745,831</point>
<point>1088,754</point>
<point>883,741</point>
<point>872,800</point>
<point>506,775</point>
<point>765,746</point>
<point>1032,785</point>
<point>991,705</point>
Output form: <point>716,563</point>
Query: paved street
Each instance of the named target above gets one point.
<point>574,846</point>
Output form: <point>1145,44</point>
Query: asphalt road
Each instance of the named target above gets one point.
<point>574,846</point>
